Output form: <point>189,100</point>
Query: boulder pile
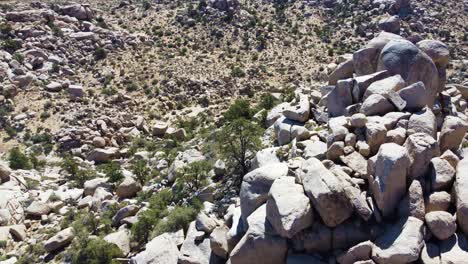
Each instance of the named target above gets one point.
<point>374,170</point>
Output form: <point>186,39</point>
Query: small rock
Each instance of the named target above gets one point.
<point>442,224</point>
<point>60,240</point>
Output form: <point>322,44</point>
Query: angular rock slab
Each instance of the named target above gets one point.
<point>60,240</point>
<point>340,98</point>
<point>421,148</point>
<point>161,249</point>
<point>402,243</point>
<point>356,162</point>
<point>326,193</point>
<point>256,185</point>
<point>389,182</point>
<point>288,208</point>
<point>442,224</point>
<point>442,174</point>
<point>194,249</point>
<point>286,130</point>
<point>452,133</point>
<point>423,121</point>
<point>259,245</point>
<point>359,252</point>
<point>299,112</point>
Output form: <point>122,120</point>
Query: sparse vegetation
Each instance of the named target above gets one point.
<point>141,171</point>
<point>237,72</point>
<point>268,101</point>
<point>100,54</point>
<point>239,109</point>
<point>113,171</point>
<point>11,45</point>
<point>192,178</point>
<point>131,87</point>
<point>18,160</point>
<point>75,174</point>
<point>96,251</point>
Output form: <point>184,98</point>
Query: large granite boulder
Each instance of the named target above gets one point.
<point>390,169</point>
<point>256,185</point>
<point>404,58</point>
<point>326,192</point>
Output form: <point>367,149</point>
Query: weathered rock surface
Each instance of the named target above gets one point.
<point>452,133</point>
<point>404,58</point>
<point>389,182</point>
<point>161,249</point>
<point>326,193</point>
<point>421,148</point>
<point>259,244</point>
<point>288,208</point>
<point>442,224</point>
<point>402,243</point>
<point>60,240</point>
<point>256,185</point>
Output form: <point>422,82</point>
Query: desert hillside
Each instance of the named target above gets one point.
<point>234,131</point>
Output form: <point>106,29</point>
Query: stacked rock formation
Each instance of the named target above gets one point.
<point>370,169</point>
<point>384,183</point>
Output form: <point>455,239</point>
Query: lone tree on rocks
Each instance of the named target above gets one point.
<point>238,143</point>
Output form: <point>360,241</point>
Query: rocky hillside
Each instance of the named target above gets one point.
<point>229,131</point>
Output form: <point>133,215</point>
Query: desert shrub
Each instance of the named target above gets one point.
<point>190,126</point>
<point>96,251</point>
<point>141,171</point>
<point>44,115</point>
<point>69,165</point>
<point>11,132</point>
<point>158,219</point>
<point>108,91</point>
<point>268,101</point>
<point>31,254</point>
<point>131,87</point>
<point>82,176</point>
<point>41,138</point>
<point>146,5</point>
<point>113,171</point>
<point>239,109</point>
<point>191,179</point>
<point>149,218</point>
<point>18,57</point>
<point>178,218</point>
<point>75,174</point>
<point>146,222</point>
<point>288,94</point>
<point>237,72</point>
<point>99,54</point>
<point>18,160</point>
<point>35,162</point>
<point>11,45</point>
<point>5,28</point>
<point>183,51</point>
<point>55,68</point>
